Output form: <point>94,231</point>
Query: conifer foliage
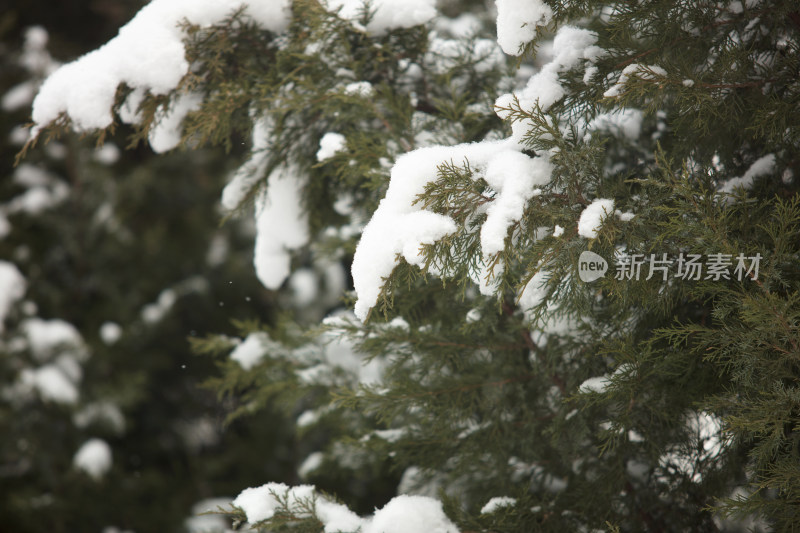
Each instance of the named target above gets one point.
<point>573,227</point>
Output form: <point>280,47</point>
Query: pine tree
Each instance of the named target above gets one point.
<point>576,272</point>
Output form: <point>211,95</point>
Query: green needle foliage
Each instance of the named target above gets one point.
<point>651,402</point>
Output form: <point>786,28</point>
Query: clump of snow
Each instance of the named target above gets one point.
<point>359,88</point>
<point>644,72</point>
<point>281,226</point>
<point>311,463</point>
<point>571,46</point>
<point>247,175</point>
<point>691,460</point>
<point>517,22</point>
<point>167,133</point>
<point>304,286</point>
<point>498,502</point>
<point>399,226</point>
<point>52,383</point>
<point>110,332</point>
<point>250,352</point>
<point>411,514</point>
<point>388,14</point>
<point>626,121</point>
<point>763,166</point>
<point>558,231</point>
<point>108,154</point>
<point>514,176</point>
<point>155,312</point>
<point>535,291</point>
<point>207,523</point>
<point>94,458</point>
<point>47,337</point>
<point>596,384</point>
<point>147,54</point>
<point>261,503</point>
<point>592,217</point>
<point>330,144</point>
<point>12,289</point>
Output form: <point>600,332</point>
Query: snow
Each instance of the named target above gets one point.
<point>100,412</point>
<point>166,133</point>
<point>94,458</point>
<point>250,352</point>
<point>535,291</point>
<point>514,176</point>
<point>304,286</point>
<point>517,22</point>
<point>411,514</point>
<point>473,315</point>
<point>388,14</point>
<point>12,289</point>
<point>359,88</point>
<point>147,54</point>
<point>108,154</point>
<point>110,332</point>
<point>261,503</point>
<point>398,227</point>
<point>571,46</point>
<point>592,217</point>
<point>247,175</point>
<point>644,72</point>
<point>281,226</point>
<point>52,384</point>
<point>763,166</point>
<point>309,464</point>
<point>156,311</point>
<point>626,121</point>
<point>498,502</point>
<point>46,336</point>
<point>330,144</point>
<point>207,523</point>
<point>596,384</point>
<point>558,231</point>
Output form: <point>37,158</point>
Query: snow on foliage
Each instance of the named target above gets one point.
<point>403,514</point>
<point>498,502</point>
<point>517,22</point>
<point>571,46</point>
<point>147,54</point>
<point>94,458</point>
<point>386,14</point>
<point>281,226</point>
<point>399,227</point>
<point>763,166</point>
<point>250,352</point>
<point>592,217</point>
<point>12,289</point>
<point>330,144</point>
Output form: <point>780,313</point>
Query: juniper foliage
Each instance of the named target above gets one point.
<point>691,420</point>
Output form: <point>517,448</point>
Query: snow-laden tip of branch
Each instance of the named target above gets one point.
<point>517,21</point>
<point>763,166</point>
<point>592,217</point>
<point>148,53</point>
<point>399,226</point>
<point>571,46</point>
